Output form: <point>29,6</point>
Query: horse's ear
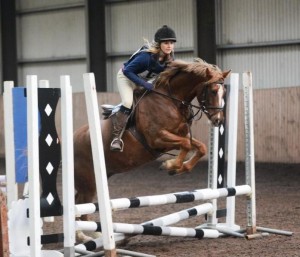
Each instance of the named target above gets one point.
<point>226,73</point>
<point>208,73</point>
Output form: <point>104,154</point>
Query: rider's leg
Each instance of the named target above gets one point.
<point>119,120</point>
<point>125,87</point>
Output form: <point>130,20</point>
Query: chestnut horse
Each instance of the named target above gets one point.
<point>163,118</point>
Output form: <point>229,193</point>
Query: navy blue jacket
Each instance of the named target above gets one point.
<point>143,67</point>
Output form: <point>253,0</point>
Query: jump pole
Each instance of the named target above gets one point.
<point>214,152</point>
<point>202,194</point>
<point>67,166</point>
<point>99,164</point>
<point>166,220</point>
<point>33,166</point>
<point>251,229</point>
<point>99,167</point>
<point>184,197</point>
<point>151,230</point>
<point>11,185</point>
<point>232,148</point>
<point>231,130</point>
<point>213,171</point>
<point>249,151</point>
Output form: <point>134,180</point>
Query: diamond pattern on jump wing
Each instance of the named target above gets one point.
<point>221,152</point>
<point>49,139</point>
<point>50,198</point>
<point>48,110</point>
<point>49,168</point>
<point>220,179</point>
<point>221,129</point>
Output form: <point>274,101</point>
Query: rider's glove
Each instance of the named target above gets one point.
<point>148,85</point>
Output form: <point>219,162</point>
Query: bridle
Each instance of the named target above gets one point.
<point>202,108</point>
<point>205,109</point>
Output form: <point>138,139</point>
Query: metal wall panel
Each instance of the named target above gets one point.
<point>52,40</point>
<point>272,67</point>
<point>250,21</point>
<point>38,4</point>
<point>125,34</point>
<point>129,22</point>
<point>52,34</point>
<point>261,36</point>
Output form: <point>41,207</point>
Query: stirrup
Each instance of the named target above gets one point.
<point>115,149</point>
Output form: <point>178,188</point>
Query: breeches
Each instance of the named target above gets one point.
<point>126,87</point>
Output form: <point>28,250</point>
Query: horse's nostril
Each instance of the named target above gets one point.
<point>217,122</point>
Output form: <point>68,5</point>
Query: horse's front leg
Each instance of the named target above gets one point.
<point>199,151</point>
<point>169,140</point>
<point>173,165</point>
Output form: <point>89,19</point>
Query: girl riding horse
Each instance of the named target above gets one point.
<point>142,68</point>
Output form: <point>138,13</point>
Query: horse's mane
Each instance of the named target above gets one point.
<point>198,67</point>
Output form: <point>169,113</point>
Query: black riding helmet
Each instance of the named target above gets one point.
<point>165,33</point>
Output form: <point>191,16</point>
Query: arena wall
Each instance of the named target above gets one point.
<point>276,128</point>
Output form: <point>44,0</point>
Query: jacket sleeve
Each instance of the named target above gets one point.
<point>136,66</point>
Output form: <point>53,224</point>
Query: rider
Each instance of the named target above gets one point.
<point>142,68</point>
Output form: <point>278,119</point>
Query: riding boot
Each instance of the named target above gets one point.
<point>119,121</point>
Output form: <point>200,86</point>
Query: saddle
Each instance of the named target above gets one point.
<point>109,110</point>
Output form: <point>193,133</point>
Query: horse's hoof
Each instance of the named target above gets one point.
<point>82,238</point>
<point>162,167</point>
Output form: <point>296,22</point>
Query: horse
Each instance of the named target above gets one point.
<point>161,123</point>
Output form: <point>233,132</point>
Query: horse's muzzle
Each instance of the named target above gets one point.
<point>217,120</point>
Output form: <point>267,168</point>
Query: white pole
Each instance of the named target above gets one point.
<point>11,185</point>
<point>33,166</point>
<point>44,84</point>
<point>196,195</point>
<point>67,165</point>
<point>173,218</point>
<point>249,151</point>
<point>232,146</point>
<point>99,164</point>
<point>213,171</point>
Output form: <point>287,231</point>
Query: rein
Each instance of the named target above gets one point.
<point>203,108</point>
<point>199,108</point>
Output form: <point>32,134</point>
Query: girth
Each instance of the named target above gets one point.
<point>139,137</point>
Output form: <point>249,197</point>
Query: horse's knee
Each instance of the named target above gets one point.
<point>203,149</point>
